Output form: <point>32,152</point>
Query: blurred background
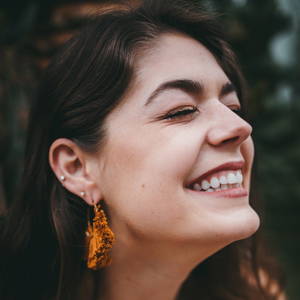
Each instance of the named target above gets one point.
<point>266,36</point>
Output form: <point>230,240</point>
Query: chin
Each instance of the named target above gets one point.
<point>242,226</point>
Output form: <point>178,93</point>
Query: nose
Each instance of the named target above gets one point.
<point>228,128</point>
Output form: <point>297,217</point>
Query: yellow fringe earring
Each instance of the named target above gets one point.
<point>100,239</point>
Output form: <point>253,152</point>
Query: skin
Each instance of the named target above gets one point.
<point>163,229</point>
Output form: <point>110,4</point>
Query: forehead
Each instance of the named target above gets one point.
<point>174,56</point>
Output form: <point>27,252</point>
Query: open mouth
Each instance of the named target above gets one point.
<point>219,181</point>
<point>226,179</point>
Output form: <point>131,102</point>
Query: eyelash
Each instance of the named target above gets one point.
<point>181,112</point>
<point>186,111</point>
<point>238,111</point>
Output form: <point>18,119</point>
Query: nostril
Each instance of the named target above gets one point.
<point>230,133</point>
<point>231,140</point>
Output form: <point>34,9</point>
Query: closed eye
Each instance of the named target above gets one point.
<point>182,112</point>
<point>238,110</point>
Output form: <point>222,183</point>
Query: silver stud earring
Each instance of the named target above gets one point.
<point>82,194</point>
<point>62,178</point>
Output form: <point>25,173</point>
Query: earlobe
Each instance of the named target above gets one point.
<point>69,163</point>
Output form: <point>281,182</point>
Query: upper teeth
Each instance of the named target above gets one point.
<point>229,180</point>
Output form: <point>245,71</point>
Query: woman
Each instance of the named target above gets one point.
<point>138,115</point>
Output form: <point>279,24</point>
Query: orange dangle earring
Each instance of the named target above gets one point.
<point>100,239</point>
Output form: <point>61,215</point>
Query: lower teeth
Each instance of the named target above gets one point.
<point>223,187</point>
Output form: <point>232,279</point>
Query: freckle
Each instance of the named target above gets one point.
<point>143,185</point>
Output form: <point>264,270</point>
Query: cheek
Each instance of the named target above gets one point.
<point>150,157</point>
<point>144,177</point>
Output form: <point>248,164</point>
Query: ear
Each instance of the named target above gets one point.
<point>75,169</point>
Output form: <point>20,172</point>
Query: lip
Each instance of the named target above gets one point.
<point>233,165</point>
<point>230,193</point>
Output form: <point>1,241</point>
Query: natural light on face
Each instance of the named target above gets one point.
<point>177,160</point>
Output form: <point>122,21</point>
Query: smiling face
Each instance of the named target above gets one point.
<point>170,169</point>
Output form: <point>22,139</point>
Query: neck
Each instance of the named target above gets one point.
<point>140,273</point>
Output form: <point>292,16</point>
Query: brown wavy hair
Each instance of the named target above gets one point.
<point>42,240</point>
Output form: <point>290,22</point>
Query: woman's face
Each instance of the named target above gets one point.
<point>177,132</point>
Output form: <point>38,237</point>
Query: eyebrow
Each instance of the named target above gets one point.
<point>189,86</point>
<point>228,88</point>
